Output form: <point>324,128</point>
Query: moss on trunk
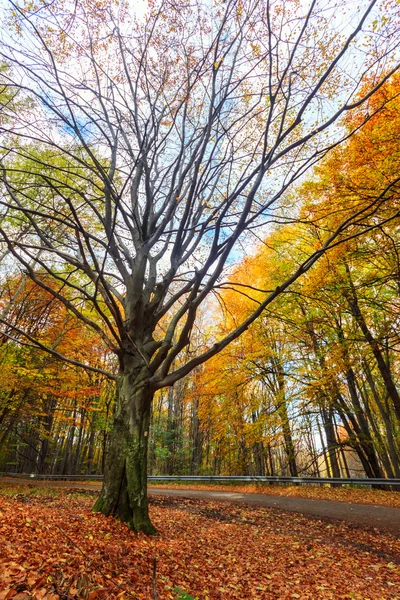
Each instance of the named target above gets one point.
<point>124,491</point>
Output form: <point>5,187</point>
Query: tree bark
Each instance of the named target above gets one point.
<point>90,454</point>
<point>365,434</point>
<point>331,441</point>
<point>195,462</point>
<point>386,417</point>
<point>283,413</point>
<point>383,366</point>
<point>124,491</point>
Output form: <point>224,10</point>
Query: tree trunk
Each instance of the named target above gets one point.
<point>197,439</point>
<point>283,413</point>
<point>90,455</point>
<point>353,431</point>
<point>324,450</point>
<point>66,468</point>
<point>170,434</point>
<point>365,434</point>
<point>383,366</point>
<point>389,427</point>
<point>124,491</point>
<point>77,458</point>
<point>331,441</point>
<point>271,461</point>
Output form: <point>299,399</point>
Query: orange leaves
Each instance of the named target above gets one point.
<point>19,580</point>
<point>211,550</point>
<point>351,176</point>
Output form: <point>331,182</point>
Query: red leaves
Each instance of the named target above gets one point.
<point>212,551</point>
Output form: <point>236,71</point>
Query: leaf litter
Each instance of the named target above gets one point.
<point>56,548</point>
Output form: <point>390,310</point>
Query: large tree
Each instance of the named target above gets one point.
<point>150,147</point>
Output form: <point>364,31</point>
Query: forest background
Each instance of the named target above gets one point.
<point>305,391</point>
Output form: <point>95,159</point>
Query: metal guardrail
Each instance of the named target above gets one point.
<point>53,477</point>
<point>223,479</point>
<point>276,479</point>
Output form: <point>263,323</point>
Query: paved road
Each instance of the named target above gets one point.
<point>367,515</point>
<point>380,517</point>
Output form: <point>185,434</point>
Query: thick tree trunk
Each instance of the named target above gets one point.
<point>124,491</point>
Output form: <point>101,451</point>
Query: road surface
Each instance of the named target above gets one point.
<point>380,517</point>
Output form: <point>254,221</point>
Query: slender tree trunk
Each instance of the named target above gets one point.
<point>270,460</point>
<point>343,458</point>
<point>283,413</point>
<point>390,433</point>
<point>331,441</point>
<point>365,437</point>
<point>124,491</point>
<point>313,450</point>
<point>105,437</point>
<point>66,467</point>
<point>77,458</point>
<point>324,450</point>
<point>197,448</point>
<point>258,452</point>
<point>353,432</point>
<point>6,432</point>
<point>383,366</point>
<point>58,443</point>
<point>170,437</point>
<point>90,455</point>
<point>47,424</point>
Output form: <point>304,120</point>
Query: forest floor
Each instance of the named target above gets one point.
<point>52,547</point>
<point>384,518</point>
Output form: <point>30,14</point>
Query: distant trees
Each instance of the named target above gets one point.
<point>50,412</point>
<point>333,339</point>
<point>147,147</point>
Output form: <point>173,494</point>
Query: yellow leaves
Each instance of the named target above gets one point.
<point>379,23</point>
<point>216,64</point>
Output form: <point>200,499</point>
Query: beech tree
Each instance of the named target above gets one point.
<point>150,148</point>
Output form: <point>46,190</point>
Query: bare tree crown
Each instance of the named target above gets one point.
<point>148,145</point>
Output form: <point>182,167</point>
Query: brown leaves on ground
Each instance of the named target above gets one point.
<point>55,548</point>
<point>339,494</point>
